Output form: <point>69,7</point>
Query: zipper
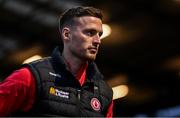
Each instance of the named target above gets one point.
<point>78,101</point>
<point>79,94</point>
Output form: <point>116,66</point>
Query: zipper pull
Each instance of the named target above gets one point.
<point>79,94</point>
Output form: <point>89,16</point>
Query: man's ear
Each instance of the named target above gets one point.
<point>66,33</point>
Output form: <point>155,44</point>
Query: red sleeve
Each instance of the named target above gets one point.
<point>17,92</point>
<point>110,110</point>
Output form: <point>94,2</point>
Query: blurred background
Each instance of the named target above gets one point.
<point>140,56</point>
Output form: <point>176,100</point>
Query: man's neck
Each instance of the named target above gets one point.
<point>74,64</point>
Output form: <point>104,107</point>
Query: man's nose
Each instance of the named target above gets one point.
<point>96,39</point>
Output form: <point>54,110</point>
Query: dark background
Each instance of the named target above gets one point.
<point>142,52</point>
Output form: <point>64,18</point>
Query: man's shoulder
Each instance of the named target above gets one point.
<point>43,61</point>
<point>35,66</point>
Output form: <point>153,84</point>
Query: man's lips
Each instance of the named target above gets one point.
<point>93,49</point>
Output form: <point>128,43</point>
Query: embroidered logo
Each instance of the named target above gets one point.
<point>95,104</point>
<point>54,74</point>
<point>60,93</point>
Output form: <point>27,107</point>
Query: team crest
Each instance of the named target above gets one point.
<point>95,104</point>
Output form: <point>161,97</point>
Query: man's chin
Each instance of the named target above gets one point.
<point>91,57</point>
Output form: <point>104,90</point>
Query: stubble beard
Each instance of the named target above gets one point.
<point>84,55</point>
<point>91,57</point>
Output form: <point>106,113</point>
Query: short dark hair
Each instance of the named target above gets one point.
<point>69,14</point>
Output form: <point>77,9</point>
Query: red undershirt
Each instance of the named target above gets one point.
<point>18,91</point>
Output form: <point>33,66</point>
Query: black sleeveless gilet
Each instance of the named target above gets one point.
<point>59,93</point>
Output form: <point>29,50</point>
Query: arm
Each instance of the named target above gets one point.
<point>110,110</point>
<point>17,92</point>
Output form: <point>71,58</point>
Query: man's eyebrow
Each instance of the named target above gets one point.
<point>93,29</point>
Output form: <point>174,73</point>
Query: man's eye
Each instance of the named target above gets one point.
<point>91,33</point>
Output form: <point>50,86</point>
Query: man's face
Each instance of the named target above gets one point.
<point>85,37</point>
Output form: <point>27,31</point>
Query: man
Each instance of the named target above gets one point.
<point>67,84</point>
